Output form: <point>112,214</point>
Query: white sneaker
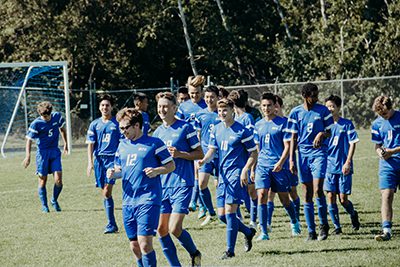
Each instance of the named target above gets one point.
<point>209,219</point>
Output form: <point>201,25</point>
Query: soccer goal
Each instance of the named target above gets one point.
<point>22,87</point>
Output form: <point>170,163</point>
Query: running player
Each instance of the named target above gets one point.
<point>141,102</point>
<point>181,140</point>
<point>139,161</point>
<point>386,136</point>
<point>310,124</point>
<point>234,143</point>
<point>46,130</point>
<point>103,138</point>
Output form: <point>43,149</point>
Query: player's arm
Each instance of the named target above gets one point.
<point>386,153</point>
<point>90,165</point>
<point>292,153</point>
<point>317,143</point>
<point>208,156</point>
<point>278,166</point>
<point>63,133</point>
<point>195,154</point>
<point>347,165</point>
<point>164,169</point>
<point>28,148</point>
<point>249,164</point>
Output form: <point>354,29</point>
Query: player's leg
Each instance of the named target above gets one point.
<point>331,186</point>
<point>205,195</point>
<point>134,245</point>
<point>253,205</point>
<point>167,245</point>
<point>109,206</point>
<point>387,214</point>
<point>262,212</point>
<point>345,184</point>
<point>42,192</point>
<point>294,196</point>
<point>271,208</point>
<point>147,250</point>
<point>130,225</point>
<point>42,170</point>
<point>56,168</point>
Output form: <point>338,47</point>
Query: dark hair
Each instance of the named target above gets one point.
<point>244,94</point>
<point>237,98</point>
<point>133,115</point>
<point>268,96</point>
<point>183,90</point>
<point>139,97</point>
<point>225,102</point>
<point>335,99</point>
<point>382,101</point>
<point>308,89</point>
<point>107,97</point>
<point>223,93</point>
<point>212,89</point>
<point>279,100</point>
<point>167,95</point>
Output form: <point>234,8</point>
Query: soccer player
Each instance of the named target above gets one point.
<point>233,142</point>
<point>338,180</point>
<point>310,124</point>
<point>272,167</point>
<point>46,130</point>
<point>139,161</point>
<point>103,138</point>
<point>141,102</point>
<point>386,136</point>
<point>206,120</point>
<point>182,95</point>
<point>184,146</point>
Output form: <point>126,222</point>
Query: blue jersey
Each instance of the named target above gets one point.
<point>205,122</point>
<point>105,136</point>
<point>46,133</point>
<point>307,124</point>
<point>183,136</point>
<point>187,110</point>
<point>246,120</point>
<point>234,145</point>
<point>270,137</point>
<point>387,133</point>
<point>146,123</point>
<point>343,134</point>
<point>133,157</point>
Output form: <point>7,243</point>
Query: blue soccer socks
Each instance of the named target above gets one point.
<point>169,250</point>
<point>309,216</point>
<point>149,259</point>
<point>42,192</point>
<point>262,217</point>
<point>232,228</point>
<point>291,212</point>
<point>205,196</point>
<point>56,191</point>
<point>270,207</point>
<point>322,210</point>
<point>334,213</point>
<point>187,242</point>
<point>109,208</point>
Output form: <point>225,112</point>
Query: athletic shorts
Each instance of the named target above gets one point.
<point>211,168</point>
<point>176,199</point>
<point>230,193</point>
<point>48,161</point>
<point>313,167</point>
<point>389,177</point>
<point>293,179</point>
<point>101,165</point>
<point>338,183</point>
<point>277,181</point>
<point>140,220</point>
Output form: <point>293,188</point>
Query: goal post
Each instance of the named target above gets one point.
<point>22,86</point>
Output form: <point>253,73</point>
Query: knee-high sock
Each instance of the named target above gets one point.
<point>187,242</point>
<point>309,215</point>
<point>262,217</point>
<point>56,191</point>
<point>349,208</point>
<point>296,203</point>
<point>239,213</point>
<point>205,195</point>
<point>232,228</point>
<point>42,192</point>
<point>253,212</point>
<point>196,193</point>
<point>149,259</point>
<point>247,202</point>
<point>291,212</point>
<point>169,250</point>
<point>322,210</point>
<point>334,214</point>
<point>109,208</point>
<point>270,207</point>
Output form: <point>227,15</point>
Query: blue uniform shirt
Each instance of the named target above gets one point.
<point>246,120</point>
<point>105,136</point>
<point>183,136</point>
<point>270,136</point>
<point>46,133</point>
<point>146,123</point>
<point>205,122</point>
<point>133,157</point>
<point>307,124</point>
<point>343,134</point>
<point>187,110</point>
<point>387,134</point>
<point>234,145</point>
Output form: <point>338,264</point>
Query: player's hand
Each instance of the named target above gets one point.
<point>292,168</point>
<point>252,176</point>
<point>175,153</point>
<point>277,167</point>
<point>151,172</point>
<point>244,176</point>
<point>201,162</point>
<point>110,172</point>
<point>65,150</point>
<point>89,169</point>
<point>346,168</point>
<point>318,140</point>
<point>26,162</point>
<point>381,152</point>
<point>387,153</point>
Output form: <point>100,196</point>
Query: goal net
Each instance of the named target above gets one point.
<point>22,87</point>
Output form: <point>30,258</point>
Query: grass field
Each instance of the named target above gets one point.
<point>74,237</point>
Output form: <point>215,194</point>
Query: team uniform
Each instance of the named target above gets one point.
<point>146,123</point>
<point>233,145</point>
<point>141,195</point>
<point>312,162</point>
<point>187,110</point>
<point>48,155</point>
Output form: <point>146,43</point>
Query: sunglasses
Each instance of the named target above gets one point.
<point>125,128</point>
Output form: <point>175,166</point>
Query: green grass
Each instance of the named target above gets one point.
<point>74,237</point>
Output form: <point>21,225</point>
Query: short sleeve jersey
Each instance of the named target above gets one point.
<point>270,137</point>
<point>146,123</point>
<point>133,157</point>
<point>187,110</point>
<point>105,135</point>
<point>46,133</point>
<point>343,134</point>
<point>387,133</point>
<point>307,124</point>
<point>183,136</point>
<point>246,120</point>
<point>234,145</point>
<point>205,122</point>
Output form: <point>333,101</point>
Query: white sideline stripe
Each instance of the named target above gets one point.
<point>35,189</point>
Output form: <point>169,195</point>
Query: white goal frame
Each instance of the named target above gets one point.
<point>30,66</point>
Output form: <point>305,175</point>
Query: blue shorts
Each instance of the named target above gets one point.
<point>48,161</point>
<point>389,178</point>
<point>176,199</point>
<point>338,183</point>
<point>140,220</point>
<point>101,164</point>
<point>277,181</point>
<point>293,179</point>
<point>230,193</point>
<point>313,167</point>
<point>211,168</point>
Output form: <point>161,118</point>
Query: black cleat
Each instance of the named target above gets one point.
<point>311,236</point>
<point>323,232</point>
<point>383,237</point>
<point>248,244</point>
<point>337,231</point>
<point>196,259</point>
<point>355,221</point>
<point>227,255</point>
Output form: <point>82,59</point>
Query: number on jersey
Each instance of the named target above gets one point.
<point>130,159</point>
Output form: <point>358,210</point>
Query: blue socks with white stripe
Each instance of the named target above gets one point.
<point>169,250</point>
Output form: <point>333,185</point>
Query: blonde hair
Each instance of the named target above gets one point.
<point>167,95</point>
<point>225,102</point>
<point>381,102</point>
<point>196,81</point>
<point>133,115</point>
<point>44,108</point>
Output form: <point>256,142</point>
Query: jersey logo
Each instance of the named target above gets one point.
<point>142,149</point>
<point>317,118</point>
<point>175,135</point>
<point>275,128</point>
<point>396,126</point>
<point>113,128</point>
<point>232,137</point>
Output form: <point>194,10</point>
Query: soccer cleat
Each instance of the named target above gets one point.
<point>227,255</point>
<point>248,244</point>
<point>209,219</point>
<point>202,212</point>
<point>45,209</point>
<point>312,236</point>
<point>55,205</point>
<point>252,224</point>
<point>337,231</point>
<point>110,229</point>
<point>323,232</point>
<point>383,237</point>
<point>196,259</point>
<point>355,221</point>
<point>192,206</point>
<point>296,229</point>
<point>262,237</point>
